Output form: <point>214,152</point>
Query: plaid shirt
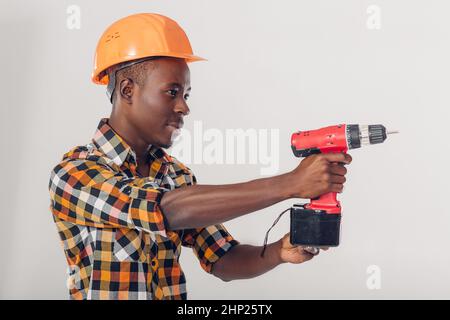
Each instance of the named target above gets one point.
<point>112,228</point>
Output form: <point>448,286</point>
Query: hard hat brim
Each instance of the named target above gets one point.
<point>102,78</point>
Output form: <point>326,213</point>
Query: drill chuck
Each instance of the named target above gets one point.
<point>362,135</point>
<point>377,133</point>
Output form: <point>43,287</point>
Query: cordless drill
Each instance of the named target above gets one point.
<point>317,223</point>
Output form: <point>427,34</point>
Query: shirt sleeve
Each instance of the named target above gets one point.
<point>88,193</point>
<point>209,244</point>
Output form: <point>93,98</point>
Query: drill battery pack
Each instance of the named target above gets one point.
<point>314,228</point>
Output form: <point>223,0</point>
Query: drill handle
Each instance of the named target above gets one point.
<point>327,202</point>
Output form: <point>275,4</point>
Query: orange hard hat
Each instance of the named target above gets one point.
<point>139,36</point>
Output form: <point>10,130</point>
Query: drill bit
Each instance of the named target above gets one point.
<point>392,131</point>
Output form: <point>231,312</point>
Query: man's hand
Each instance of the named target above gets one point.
<point>294,253</point>
<point>318,174</point>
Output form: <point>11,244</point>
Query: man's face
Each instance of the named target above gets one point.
<point>159,106</point>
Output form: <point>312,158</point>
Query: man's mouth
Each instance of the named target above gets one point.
<point>176,125</point>
<point>175,130</point>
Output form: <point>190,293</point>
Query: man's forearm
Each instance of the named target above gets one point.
<point>244,262</point>
<point>203,205</point>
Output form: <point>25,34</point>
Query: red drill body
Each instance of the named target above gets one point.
<point>324,140</point>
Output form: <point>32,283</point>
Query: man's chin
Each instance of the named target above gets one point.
<point>167,142</point>
<point>165,145</point>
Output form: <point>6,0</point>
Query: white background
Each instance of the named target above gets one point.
<point>286,65</point>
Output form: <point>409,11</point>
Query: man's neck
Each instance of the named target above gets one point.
<point>128,133</point>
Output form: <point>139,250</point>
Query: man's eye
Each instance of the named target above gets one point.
<point>173,92</point>
<point>186,96</point>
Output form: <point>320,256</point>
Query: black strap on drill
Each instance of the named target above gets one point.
<point>267,234</point>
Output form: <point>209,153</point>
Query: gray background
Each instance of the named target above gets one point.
<point>286,65</point>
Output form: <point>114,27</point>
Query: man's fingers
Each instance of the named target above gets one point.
<point>336,168</point>
<point>306,255</point>
<point>312,250</point>
<point>337,187</point>
<point>337,157</point>
<point>337,179</point>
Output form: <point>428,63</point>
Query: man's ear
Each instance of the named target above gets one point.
<point>126,89</point>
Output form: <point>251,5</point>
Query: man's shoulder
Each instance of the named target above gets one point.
<point>82,153</point>
<point>85,154</point>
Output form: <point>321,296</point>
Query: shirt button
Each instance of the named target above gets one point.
<point>154,263</point>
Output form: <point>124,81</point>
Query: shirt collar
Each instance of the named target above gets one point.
<point>116,149</point>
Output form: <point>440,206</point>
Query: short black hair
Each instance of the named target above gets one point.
<point>137,73</point>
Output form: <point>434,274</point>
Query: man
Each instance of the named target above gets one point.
<point>124,207</point>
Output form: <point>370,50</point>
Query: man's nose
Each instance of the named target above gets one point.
<point>182,107</point>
